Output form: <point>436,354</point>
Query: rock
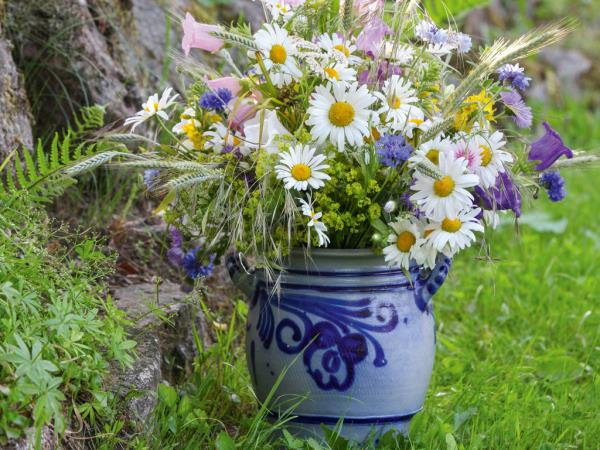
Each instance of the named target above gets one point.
<point>163,318</point>
<point>109,52</point>
<point>569,64</point>
<point>15,116</point>
<point>252,11</point>
<point>47,441</point>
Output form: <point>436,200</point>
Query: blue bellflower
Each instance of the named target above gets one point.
<point>548,149</point>
<point>392,150</point>
<point>554,185</point>
<point>502,196</point>
<point>216,101</point>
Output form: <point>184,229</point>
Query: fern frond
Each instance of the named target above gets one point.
<point>30,166</point>
<point>90,118</point>
<point>236,39</point>
<point>40,157</point>
<point>20,173</point>
<point>54,157</point>
<point>65,147</point>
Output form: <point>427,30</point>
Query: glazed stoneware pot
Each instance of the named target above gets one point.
<point>355,338</point>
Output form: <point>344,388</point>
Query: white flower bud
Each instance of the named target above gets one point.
<point>390,206</point>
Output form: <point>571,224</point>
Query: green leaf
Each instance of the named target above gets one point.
<point>224,442</point>
<point>167,395</point>
<point>446,11</point>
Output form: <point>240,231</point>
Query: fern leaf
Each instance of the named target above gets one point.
<point>40,157</point>
<point>10,182</point>
<point>54,157</point>
<point>29,165</point>
<point>65,147</point>
<point>20,173</point>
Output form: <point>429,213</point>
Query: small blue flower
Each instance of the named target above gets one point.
<point>554,184</point>
<point>193,264</point>
<point>463,42</point>
<point>392,150</point>
<point>514,74</point>
<point>149,177</point>
<point>216,101</point>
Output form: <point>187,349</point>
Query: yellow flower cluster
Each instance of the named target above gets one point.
<point>481,103</point>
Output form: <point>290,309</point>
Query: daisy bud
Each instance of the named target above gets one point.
<point>390,206</point>
<point>376,237</point>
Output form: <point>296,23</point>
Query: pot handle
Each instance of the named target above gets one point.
<point>243,276</point>
<point>429,284</point>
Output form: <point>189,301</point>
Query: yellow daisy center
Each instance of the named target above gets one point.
<point>444,186</point>
<point>427,232</point>
<point>331,72</point>
<point>417,122</point>
<point>405,241</point>
<point>451,225</point>
<point>278,54</point>
<point>301,172</point>
<point>486,155</point>
<point>433,155</point>
<point>341,114</point>
<point>154,105</point>
<point>236,141</point>
<point>375,133</point>
<point>395,102</point>
<point>342,49</point>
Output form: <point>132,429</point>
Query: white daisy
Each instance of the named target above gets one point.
<point>264,130</point>
<point>446,196</point>
<point>338,48</point>
<point>315,223</point>
<point>279,9</point>
<point>454,233</point>
<point>430,150</point>
<point>424,252</point>
<point>399,53</point>
<point>341,117</point>
<point>338,72</point>
<point>416,121</point>
<point>221,139</point>
<point>187,119</point>
<point>403,238</point>
<point>153,107</point>
<point>398,102</point>
<point>300,167</point>
<point>492,156</point>
<point>279,52</point>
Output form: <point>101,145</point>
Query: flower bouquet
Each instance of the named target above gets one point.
<point>361,127</point>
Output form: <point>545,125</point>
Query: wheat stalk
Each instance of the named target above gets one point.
<point>236,39</point>
<point>187,180</point>
<point>93,161</point>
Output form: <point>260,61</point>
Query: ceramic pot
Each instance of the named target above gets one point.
<point>355,338</point>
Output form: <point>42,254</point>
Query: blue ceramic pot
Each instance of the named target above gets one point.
<point>355,338</point>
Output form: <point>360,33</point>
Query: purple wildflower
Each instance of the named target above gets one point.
<point>392,150</point>
<point>195,267</point>
<point>514,74</point>
<point>522,113</point>
<point>175,253</point>
<point>216,101</point>
<point>554,184</point>
<point>384,71</point>
<point>548,149</point>
<point>149,177</point>
<point>502,196</point>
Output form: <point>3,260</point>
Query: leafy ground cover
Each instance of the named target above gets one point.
<point>58,332</point>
